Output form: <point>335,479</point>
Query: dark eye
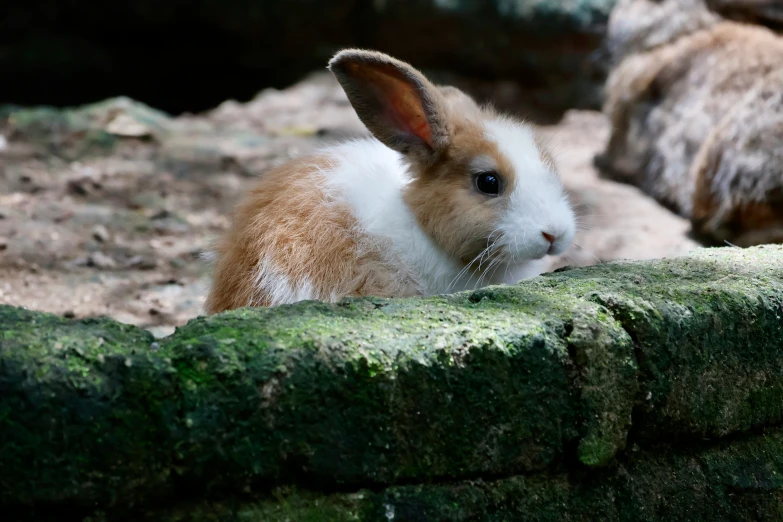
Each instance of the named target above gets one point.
<point>488,183</point>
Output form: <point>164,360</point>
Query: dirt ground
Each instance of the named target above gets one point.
<point>122,234</point>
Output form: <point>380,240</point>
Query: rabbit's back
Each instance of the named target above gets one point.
<point>296,236</point>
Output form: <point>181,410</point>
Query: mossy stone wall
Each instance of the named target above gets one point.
<point>639,390</point>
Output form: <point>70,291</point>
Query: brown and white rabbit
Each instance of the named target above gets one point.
<point>446,196</point>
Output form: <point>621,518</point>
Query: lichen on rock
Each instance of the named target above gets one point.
<point>497,399</point>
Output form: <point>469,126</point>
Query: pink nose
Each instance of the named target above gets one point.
<point>548,237</point>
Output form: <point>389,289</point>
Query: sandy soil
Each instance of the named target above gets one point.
<point>121,235</point>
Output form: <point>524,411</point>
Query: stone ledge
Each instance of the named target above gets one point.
<point>551,375</point>
<point>732,480</point>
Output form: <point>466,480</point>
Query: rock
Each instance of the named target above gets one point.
<point>101,260</point>
<point>97,129</point>
<point>141,263</point>
<point>317,102</point>
<point>275,43</point>
<point>738,480</point>
<point>502,39</point>
<point>100,233</point>
<point>537,382</point>
<point>697,118</point>
<point>124,125</point>
<point>89,129</point>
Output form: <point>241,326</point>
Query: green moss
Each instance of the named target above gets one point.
<point>503,381</point>
<point>79,400</point>
<point>719,330</point>
<point>378,390</point>
<point>283,505</point>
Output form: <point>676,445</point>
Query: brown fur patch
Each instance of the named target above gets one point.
<point>287,220</point>
<point>396,102</point>
<point>443,196</point>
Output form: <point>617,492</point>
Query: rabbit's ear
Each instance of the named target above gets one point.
<point>395,101</point>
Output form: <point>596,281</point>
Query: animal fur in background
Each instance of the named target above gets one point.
<point>697,117</point>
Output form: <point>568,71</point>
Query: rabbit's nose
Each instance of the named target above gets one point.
<point>548,237</point>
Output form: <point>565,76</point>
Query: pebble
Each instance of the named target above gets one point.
<point>142,263</point>
<point>100,260</point>
<point>100,233</point>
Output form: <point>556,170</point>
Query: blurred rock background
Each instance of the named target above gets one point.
<point>128,130</point>
<point>191,55</point>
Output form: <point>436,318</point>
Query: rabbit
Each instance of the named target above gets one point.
<point>689,129</point>
<point>444,196</point>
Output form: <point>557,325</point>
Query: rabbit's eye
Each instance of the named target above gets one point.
<point>488,183</point>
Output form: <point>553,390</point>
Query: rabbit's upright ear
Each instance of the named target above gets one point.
<point>395,101</point>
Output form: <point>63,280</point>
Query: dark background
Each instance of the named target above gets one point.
<point>180,55</point>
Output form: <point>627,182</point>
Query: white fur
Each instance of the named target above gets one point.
<point>538,202</point>
<point>370,178</point>
<point>278,287</point>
